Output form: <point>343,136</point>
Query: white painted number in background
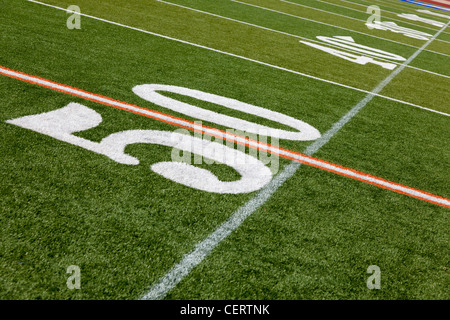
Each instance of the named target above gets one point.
<point>349,43</point>
<point>395,28</point>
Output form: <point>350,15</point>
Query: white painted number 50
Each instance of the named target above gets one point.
<point>62,123</point>
<point>150,93</point>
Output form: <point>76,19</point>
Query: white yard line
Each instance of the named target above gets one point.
<point>370,3</point>
<point>334,26</point>
<point>295,36</point>
<point>340,15</point>
<point>426,11</point>
<point>397,5</point>
<point>364,11</point>
<point>242,57</point>
<point>363,20</point>
<point>204,248</point>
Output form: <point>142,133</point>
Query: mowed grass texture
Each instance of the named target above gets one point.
<point>126,227</point>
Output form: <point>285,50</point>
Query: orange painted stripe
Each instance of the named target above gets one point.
<point>190,125</point>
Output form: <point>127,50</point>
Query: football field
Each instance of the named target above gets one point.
<point>224,150</point>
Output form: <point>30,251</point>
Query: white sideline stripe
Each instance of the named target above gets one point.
<point>341,15</point>
<point>244,58</point>
<point>297,36</point>
<point>204,248</point>
<point>390,18</point>
<point>331,25</point>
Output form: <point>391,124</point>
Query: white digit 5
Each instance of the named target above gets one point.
<point>62,123</point>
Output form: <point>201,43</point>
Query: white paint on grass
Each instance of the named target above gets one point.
<point>205,247</point>
<point>62,123</point>
<point>434,13</point>
<point>372,7</point>
<point>349,43</point>
<point>363,60</point>
<point>334,26</point>
<point>415,17</point>
<point>244,58</point>
<point>52,124</point>
<point>150,93</point>
<point>365,10</point>
<point>393,27</point>
<point>294,35</point>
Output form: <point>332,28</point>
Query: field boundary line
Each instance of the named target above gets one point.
<point>333,26</point>
<point>190,125</point>
<point>178,272</point>
<point>297,36</point>
<point>245,58</point>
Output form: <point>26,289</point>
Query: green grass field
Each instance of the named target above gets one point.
<point>307,234</point>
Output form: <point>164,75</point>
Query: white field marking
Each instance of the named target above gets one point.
<point>321,10</point>
<point>364,11</point>
<point>243,58</point>
<point>303,132</point>
<point>330,25</point>
<point>398,5</point>
<point>393,6</point>
<point>341,15</point>
<point>434,13</point>
<point>445,41</point>
<point>393,27</point>
<point>228,136</point>
<point>415,17</point>
<point>296,36</point>
<point>349,42</point>
<point>204,248</point>
<point>359,59</point>
<point>62,123</point>
<point>390,5</point>
<point>429,5</point>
